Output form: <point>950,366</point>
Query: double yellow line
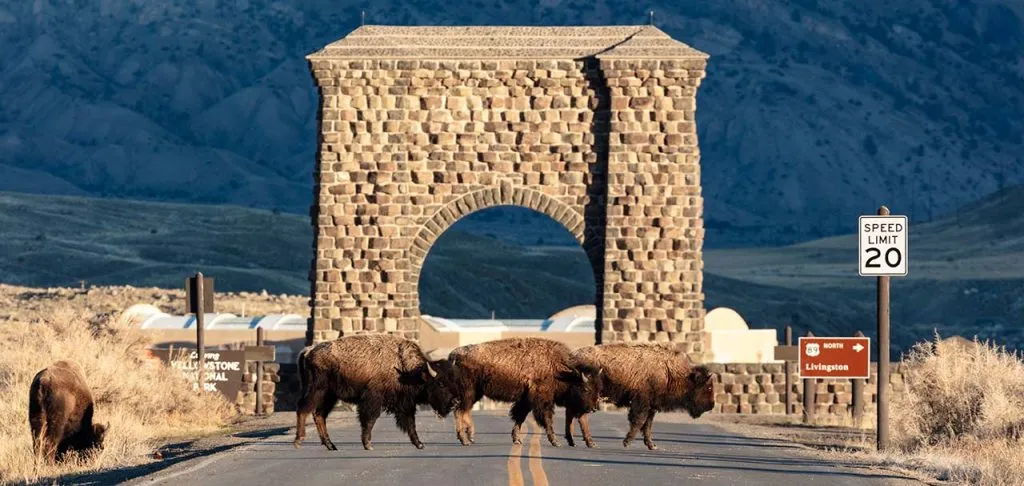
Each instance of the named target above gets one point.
<point>537,474</point>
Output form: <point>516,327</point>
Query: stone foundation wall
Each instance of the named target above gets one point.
<point>246,402</point>
<point>759,388</point>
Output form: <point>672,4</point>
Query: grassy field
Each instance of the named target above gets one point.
<point>139,400</point>
<point>966,269</point>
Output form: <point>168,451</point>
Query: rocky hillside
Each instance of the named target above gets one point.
<point>813,111</point>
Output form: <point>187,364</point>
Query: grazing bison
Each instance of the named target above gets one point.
<point>375,372</point>
<point>648,378</point>
<point>60,409</point>
<point>534,374</point>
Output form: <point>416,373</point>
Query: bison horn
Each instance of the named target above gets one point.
<point>433,374</point>
<point>584,376</point>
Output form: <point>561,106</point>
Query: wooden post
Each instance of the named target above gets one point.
<point>789,371</point>
<point>259,374</point>
<point>200,333</point>
<point>882,427</point>
<point>809,392</point>
<point>858,395</point>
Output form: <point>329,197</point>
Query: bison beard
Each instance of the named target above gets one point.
<point>60,409</point>
<point>376,372</point>
<point>534,374</point>
<point>648,379</point>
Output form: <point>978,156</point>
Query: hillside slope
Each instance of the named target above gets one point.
<point>965,279</point>
<point>812,111</point>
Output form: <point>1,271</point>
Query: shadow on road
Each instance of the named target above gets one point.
<point>698,462</point>
<point>172,454</point>
<point>116,476</point>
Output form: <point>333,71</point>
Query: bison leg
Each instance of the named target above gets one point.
<point>520,410</point>
<point>585,427</point>
<point>53,439</point>
<point>323,409</point>
<point>368,412</point>
<point>544,414</point>
<point>306,405</point>
<point>406,421</point>
<point>637,414</point>
<point>569,417</point>
<point>648,425</point>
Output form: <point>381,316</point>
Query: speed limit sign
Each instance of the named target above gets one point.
<point>883,246</point>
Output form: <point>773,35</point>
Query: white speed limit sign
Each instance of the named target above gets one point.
<point>883,246</point>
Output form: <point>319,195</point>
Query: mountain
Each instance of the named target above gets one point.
<point>966,269</point>
<point>812,112</point>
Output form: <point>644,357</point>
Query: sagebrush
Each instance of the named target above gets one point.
<point>962,411</point>
<point>141,399</point>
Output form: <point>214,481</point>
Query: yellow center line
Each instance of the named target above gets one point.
<point>515,470</point>
<point>536,467</point>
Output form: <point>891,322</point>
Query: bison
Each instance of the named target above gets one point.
<point>534,374</point>
<point>647,378</point>
<point>60,411</point>
<point>375,372</point>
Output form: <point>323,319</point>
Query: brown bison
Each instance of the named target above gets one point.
<point>534,374</point>
<point>60,409</point>
<point>376,372</point>
<point>647,378</point>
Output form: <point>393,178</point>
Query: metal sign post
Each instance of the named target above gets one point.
<point>882,253</point>
<point>197,305</point>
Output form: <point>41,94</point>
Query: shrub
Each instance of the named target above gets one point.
<point>963,404</point>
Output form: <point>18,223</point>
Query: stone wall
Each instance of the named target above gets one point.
<point>246,402</point>
<point>759,388</point>
<point>608,149</point>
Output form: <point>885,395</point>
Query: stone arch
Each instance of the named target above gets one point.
<point>592,126</point>
<point>481,199</point>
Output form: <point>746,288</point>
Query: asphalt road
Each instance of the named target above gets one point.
<point>689,452</point>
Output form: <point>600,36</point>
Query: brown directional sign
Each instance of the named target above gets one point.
<point>190,292</point>
<point>787,353</point>
<point>260,353</point>
<point>835,357</point>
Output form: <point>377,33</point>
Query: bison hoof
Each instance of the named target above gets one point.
<point>419,445</point>
<point>331,447</point>
<point>652,446</point>
<point>517,442</point>
<point>625,443</point>
<point>571,443</point>
<point>297,444</point>
<point>555,443</point>
<point>591,445</point>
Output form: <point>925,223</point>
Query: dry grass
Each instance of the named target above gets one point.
<point>139,398</point>
<point>961,416</point>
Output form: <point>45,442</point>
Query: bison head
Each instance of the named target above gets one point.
<point>584,390</point>
<point>99,431</point>
<point>441,388</point>
<point>700,394</point>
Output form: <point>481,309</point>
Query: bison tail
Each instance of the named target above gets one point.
<point>303,372</point>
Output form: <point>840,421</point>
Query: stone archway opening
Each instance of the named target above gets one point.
<point>508,264</point>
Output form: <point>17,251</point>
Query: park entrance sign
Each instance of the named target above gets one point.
<point>883,246</point>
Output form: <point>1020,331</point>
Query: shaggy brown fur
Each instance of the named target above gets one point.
<point>60,409</point>
<point>375,372</point>
<point>534,374</point>
<point>648,378</point>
